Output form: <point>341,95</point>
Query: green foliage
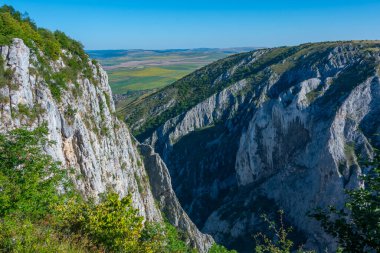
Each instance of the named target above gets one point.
<point>29,113</point>
<point>139,184</point>
<point>281,242</point>
<point>56,84</point>
<point>70,114</point>
<point>112,224</point>
<point>53,45</point>
<point>104,131</point>
<point>220,249</point>
<point>116,226</point>
<point>357,226</point>
<point>28,181</point>
<point>13,24</point>
<point>164,238</point>
<point>120,229</point>
<point>154,233</point>
<point>73,46</point>
<point>5,75</point>
<point>77,91</point>
<point>174,244</point>
<point>22,235</point>
<point>4,99</point>
<point>108,100</point>
<point>23,109</point>
<point>3,81</point>
<point>101,109</point>
<point>28,178</point>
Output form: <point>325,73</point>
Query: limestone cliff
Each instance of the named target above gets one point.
<point>87,136</point>
<point>286,132</point>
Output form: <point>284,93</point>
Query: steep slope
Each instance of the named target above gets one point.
<point>101,160</point>
<point>53,82</point>
<point>285,129</point>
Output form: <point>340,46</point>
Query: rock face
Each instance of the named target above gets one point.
<point>285,134</point>
<point>219,106</point>
<point>163,192</point>
<point>87,136</point>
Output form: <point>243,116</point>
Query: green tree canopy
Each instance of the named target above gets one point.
<point>29,178</point>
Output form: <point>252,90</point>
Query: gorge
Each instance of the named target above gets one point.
<point>276,128</point>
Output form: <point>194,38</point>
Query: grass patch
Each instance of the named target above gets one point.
<point>312,95</point>
<point>124,80</point>
<point>349,152</point>
<point>31,113</point>
<point>282,67</point>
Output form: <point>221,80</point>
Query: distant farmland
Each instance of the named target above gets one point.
<point>135,73</point>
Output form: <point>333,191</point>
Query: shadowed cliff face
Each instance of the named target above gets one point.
<point>285,130</point>
<point>87,137</point>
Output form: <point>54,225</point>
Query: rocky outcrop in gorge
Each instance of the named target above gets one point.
<point>87,136</point>
<point>163,192</point>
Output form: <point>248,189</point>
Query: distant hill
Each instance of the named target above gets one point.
<point>104,54</point>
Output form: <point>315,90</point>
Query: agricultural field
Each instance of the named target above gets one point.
<point>136,73</point>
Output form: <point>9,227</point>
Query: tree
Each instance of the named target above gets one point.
<point>281,242</point>
<point>164,238</point>
<point>113,224</point>
<point>216,248</point>
<point>357,226</point>
<point>28,178</point>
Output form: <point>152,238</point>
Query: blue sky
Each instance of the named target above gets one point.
<point>162,24</point>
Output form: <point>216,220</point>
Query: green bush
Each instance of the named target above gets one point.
<point>57,84</point>
<point>22,235</point>
<point>173,241</point>
<point>113,224</point>
<point>29,182</point>
<point>13,24</point>
<point>28,178</point>
<point>70,114</point>
<point>53,45</point>
<point>30,113</point>
<point>5,75</point>
<point>164,238</point>
<point>279,242</point>
<point>220,249</point>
